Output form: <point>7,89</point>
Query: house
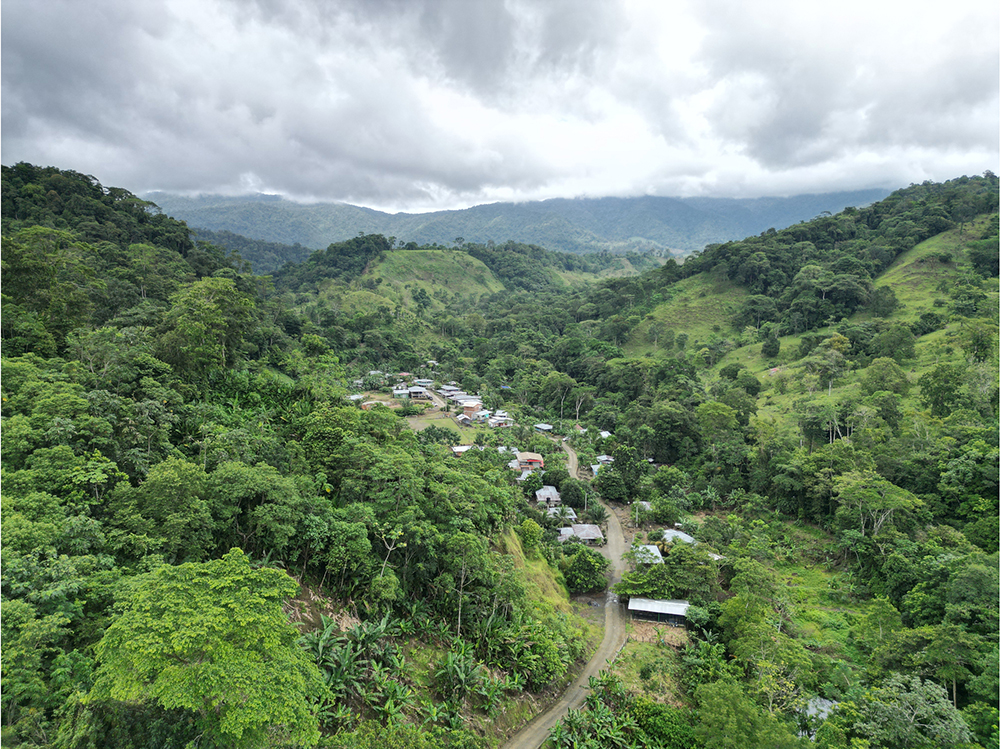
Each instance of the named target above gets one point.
<point>543,428</point>
<point>672,612</point>
<point>563,512</point>
<point>463,420</point>
<point>586,532</point>
<point>470,407</point>
<point>604,434</point>
<point>548,495</point>
<point>605,460</point>
<point>423,382</point>
<point>357,397</point>
<point>594,468</point>
<point>418,392</point>
<point>461,449</point>
<point>647,554</point>
<point>400,393</point>
<point>403,375</point>
<point>672,535</point>
<point>431,363</point>
<point>481,416</point>
<point>448,389</point>
<point>499,421</point>
<point>531,461</point>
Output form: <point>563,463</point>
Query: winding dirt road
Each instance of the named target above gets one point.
<point>536,732</point>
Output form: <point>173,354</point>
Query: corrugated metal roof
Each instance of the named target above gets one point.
<point>659,606</point>
<point>648,554</point>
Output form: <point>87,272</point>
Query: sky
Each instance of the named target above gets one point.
<point>417,105</point>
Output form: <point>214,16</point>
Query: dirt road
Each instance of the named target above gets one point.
<point>536,732</point>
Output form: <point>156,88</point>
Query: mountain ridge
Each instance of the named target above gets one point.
<point>665,225</point>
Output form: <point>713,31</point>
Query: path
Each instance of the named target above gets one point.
<point>536,732</point>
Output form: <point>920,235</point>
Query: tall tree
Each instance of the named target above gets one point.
<point>213,639</point>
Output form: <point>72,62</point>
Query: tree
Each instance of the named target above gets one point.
<point>941,389</point>
<point>213,639</point>
<point>205,325</point>
<point>730,720</point>
<point>897,343</point>
<point>885,374</point>
<point>907,712</point>
<point>868,502</point>
<point>585,570</point>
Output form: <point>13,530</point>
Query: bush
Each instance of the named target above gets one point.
<point>585,571</point>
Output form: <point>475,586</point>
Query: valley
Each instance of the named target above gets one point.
<point>226,522</point>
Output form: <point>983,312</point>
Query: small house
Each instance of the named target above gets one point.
<point>418,392</point>
<point>548,495</point>
<point>400,393</point>
<point>672,612</point>
<point>461,449</point>
<point>562,511</point>
<point>531,461</point>
<point>647,554</point>
<point>672,535</point>
<point>588,533</point>
<point>544,428</point>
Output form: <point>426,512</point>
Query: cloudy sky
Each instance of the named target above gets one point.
<point>425,104</point>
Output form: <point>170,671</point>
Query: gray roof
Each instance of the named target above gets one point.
<point>672,535</point>
<point>547,494</point>
<point>648,554</point>
<point>659,606</point>
<point>587,532</point>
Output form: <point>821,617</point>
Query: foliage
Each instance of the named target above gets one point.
<point>211,638</point>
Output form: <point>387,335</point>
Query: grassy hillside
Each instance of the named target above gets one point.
<point>703,306</point>
<point>919,277</point>
<point>438,272</point>
<point>700,306</point>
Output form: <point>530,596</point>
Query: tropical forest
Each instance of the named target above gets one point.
<point>244,503</point>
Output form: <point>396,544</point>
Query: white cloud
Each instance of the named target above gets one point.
<point>419,104</point>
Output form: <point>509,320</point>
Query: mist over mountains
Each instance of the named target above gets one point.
<point>677,226</point>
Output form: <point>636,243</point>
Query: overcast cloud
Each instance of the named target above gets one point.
<point>427,104</point>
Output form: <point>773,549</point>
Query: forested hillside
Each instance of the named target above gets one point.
<point>581,225</point>
<point>207,544</point>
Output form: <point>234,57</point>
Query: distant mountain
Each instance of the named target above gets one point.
<point>669,225</point>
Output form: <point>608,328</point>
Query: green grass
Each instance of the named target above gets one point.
<point>660,663</point>
<point>434,271</point>
<point>700,306</point>
<point>916,274</point>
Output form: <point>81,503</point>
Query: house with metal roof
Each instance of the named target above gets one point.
<point>548,495</point>
<point>647,554</point>
<point>531,461</point>
<point>562,511</point>
<point>672,612</point>
<point>586,532</point>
